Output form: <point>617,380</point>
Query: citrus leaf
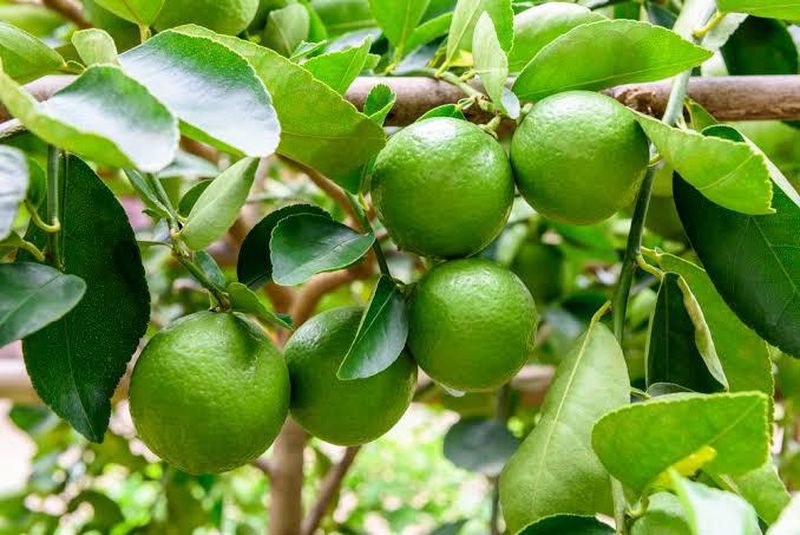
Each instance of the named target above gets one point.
<point>146,192</point>
<point>676,339</point>
<point>244,300</point>
<point>25,57</point>
<point>479,445</point>
<point>141,12</point>
<point>287,27</point>
<point>465,18</point>
<point>381,334</point>
<point>762,488</point>
<point>319,128</point>
<point>303,245</point>
<point>734,427</point>
<point>338,69</point>
<point>664,516</point>
<point>254,266</point>
<point>789,519</point>
<point>13,186</point>
<point>445,110</point>
<point>730,173</point>
<point>429,30</point>
<point>574,525</point>
<point>218,206</point>
<point>753,261</point>
<point>776,9</point>
<point>539,25</point>
<point>76,362</point>
<point>760,46</point>
<point>344,16</point>
<point>95,47</point>
<point>743,354</point>
<point>623,51</point>
<point>715,512</point>
<point>211,89</point>
<point>555,471</point>
<point>398,18</point>
<point>34,296</point>
<point>379,102</point>
<point>189,198</point>
<point>103,115</point>
<point>491,63</point>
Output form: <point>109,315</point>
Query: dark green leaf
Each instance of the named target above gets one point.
<point>141,12</point>
<point>679,346</point>
<point>34,296</point>
<point>189,198</point>
<point>381,335</point>
<point>13,186</point>
<point>210,88</point>
<point>254,267</point>
<point>760,46</point>
<point>563,524</point>
<point>623,51</point>
<point>286,29</point>
<point>339,69</point>
<point>103,115</point>
<point>660,15</point>
<point>480,445</point>
<point>303,245</point>
<point>722,433</point>
<point>76,362</point>
<point>777,9</point>
<point>398,18</point>
<point>429,30</point>
<point>25,57</point>
<point>95,47</point>
<point>244,300</point>
<point>319,128</point>
<point>218,205</point>
<point>753,261</point>
<point>106,513</point>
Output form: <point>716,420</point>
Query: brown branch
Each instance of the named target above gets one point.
<point>264,466</point>
<point>286,490</point>
<point>308,298</point>
<point>330,487</point>
<point>69,10</point>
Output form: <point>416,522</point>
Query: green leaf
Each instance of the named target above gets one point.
<point>344,16</point>
<point>218,206</point>
<point>189,198</point>
<point>539,25</point>
<point>381,334</point>
<point>338,69</point>
<point>490,60</point>
<point>211,89</point>
<point>429,31</point>
<point>465,18</point>
<point>398,18</point>
<point>623,51</point>
<point>679,345</point>
<point>103,115</point>
<point>286,29</point>
<point>664,516</point>
<point>743,354</point>
<point>450,528</point>
<point>95,46</point>
<point>555,471</point>
<point>210,268</point>
<point>319,128</point>
<point>76,362</point>
<point>144,189</point>
<point>776,9</point>
<point>33,297</point>
<point>13,187</point>
<point>563,524</point>
<point>244,300</point>
<point>254,267</point>
<point>713,511</point>
<point>35,19</point>
<point>762,488</point>
<point>789,519</point>
<point>753,261</point>
<point>379,102</point>
<point>445,110</point>
<point>733,428</point>
<point>25,57</point>
<point>106,513</point>
<point>479,445</point>
<point>189,165</point>
<point>141,12</point>
<point>306,244</point>
<point>761,46</point>
<point>729,173</point>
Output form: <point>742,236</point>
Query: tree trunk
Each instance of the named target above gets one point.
<point>286,491</point>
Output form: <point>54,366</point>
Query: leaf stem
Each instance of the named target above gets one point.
<point>37,219</point>
<point>37,253</point>
<point>716,18</point>
<point>364,220</point>
<point>56,169</point>
<point>197,272</point>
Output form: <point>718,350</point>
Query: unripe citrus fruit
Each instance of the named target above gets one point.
<point>209,393</point>
<point>223,16</point>
<point>541,268</point>
<point>343,412</point>
<point>579,157</point>
<point>472,324</point>
<point>442,187</point>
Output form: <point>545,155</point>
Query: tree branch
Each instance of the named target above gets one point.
<point>330,487</point>
<point>69,10</point>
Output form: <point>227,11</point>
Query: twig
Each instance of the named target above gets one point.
<point>69,10</point>
<point>263,465</point>
<point>330,487</point>
<point>329,188</point>
<point>308,298</point>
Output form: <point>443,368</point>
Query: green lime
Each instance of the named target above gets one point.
<point>537,26</point>
<point>343,412</point>
<point>223,16</point>
<point>579,157</point>
<point>443,187</point>
<point>541,268</point>
<point>472,324</point>
<point>209,393</point>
